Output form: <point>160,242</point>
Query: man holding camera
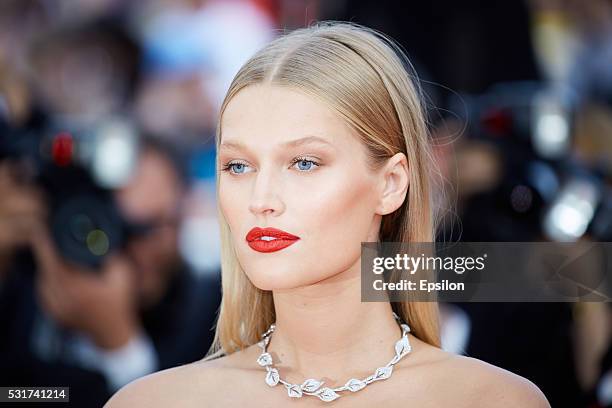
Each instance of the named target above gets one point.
<point>143,310</point>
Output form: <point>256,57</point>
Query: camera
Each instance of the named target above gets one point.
<point>545,189</point>
<point>77,167</point>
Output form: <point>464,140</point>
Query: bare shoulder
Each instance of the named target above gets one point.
<point>498,387</point>
<point>465,381</point>
<point>188,385</point>
<point>486,385</point>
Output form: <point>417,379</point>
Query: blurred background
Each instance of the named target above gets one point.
<point>109,256</point>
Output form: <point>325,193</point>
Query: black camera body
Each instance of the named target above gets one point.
<point>84,219</point>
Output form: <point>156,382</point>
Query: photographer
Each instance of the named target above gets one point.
<point>143,310</point>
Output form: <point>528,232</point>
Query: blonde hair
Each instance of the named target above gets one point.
<point>365,77</point>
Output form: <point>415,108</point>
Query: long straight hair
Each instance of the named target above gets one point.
<point>366,78</point>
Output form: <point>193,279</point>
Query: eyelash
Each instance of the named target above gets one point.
<point>227,166</point>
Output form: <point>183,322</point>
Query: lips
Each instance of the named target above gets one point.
<point>269,239</point>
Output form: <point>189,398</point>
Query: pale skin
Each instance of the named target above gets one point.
<point>323,329</point>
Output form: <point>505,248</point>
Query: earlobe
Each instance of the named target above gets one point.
<point>396,182</point>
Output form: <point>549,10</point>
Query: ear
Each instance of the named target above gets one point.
<point>395,181</point>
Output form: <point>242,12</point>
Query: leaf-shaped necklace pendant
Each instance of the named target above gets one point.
<point>312,386</point>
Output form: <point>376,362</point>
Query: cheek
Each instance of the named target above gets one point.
<point>336,212</point>
<point>332,214</point>
<point>337,218</point>
<point>333,219</point>
<point>233,201</point>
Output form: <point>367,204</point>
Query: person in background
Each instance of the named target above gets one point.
<point>143,311</point>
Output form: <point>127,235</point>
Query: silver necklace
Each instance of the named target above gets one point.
<point>314,387</point>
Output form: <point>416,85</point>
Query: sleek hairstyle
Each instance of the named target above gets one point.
<point>365,77</point>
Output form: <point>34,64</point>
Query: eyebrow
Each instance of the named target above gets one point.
<point>292,143</point>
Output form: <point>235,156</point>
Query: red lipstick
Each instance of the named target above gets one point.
<point>269,239</point>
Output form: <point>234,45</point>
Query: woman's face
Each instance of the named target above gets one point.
<point>289,162</point>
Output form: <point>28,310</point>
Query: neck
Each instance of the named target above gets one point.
<point>325,331</point>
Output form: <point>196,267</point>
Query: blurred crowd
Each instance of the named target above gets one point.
<point>109,249</point>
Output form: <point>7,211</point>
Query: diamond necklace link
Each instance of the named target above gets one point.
<point>314,387</point>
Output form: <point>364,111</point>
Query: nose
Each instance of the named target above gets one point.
<point>265,199</point>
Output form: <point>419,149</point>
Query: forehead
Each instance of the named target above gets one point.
<point>268,112</point>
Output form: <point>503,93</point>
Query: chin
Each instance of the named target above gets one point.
<point>272,278</point>
<point>278,278</point>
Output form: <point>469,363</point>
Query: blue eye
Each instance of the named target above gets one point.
<point>238,167</point>
<point>305,164</point>
<point>235,168</point>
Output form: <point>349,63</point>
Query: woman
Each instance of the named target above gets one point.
<point>322,145</point>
